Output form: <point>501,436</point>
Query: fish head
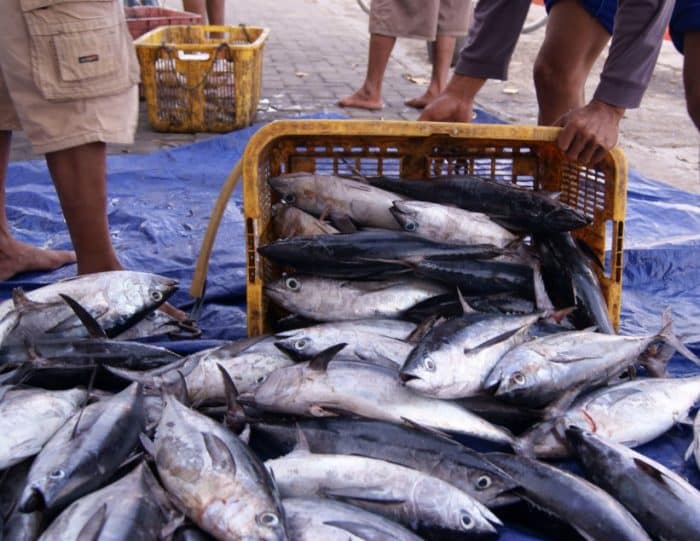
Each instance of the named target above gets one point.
<point>50,492</point>
<point>470,516</point>
<point>285,291</point>
<point>279,387</point>
<point>420,372</point>
<point>289,186</point>
<point>152,289</point>
<point>518,374</point>
<point>255,519</point>
<point>565,218</point>
<point>406,216</point>
<point>298,346</point>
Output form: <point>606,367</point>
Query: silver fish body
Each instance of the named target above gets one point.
<point>311,519</point>
<point>367,390</point>
<point>665,504</point>
<point>454,359</point>
<point>29,417</point>
<point>116,299</point>
<point>85,452</point>
<point>631,413</point>
<point>575,501</point>
<point>214,478</point>
<point>365,339</point>
<point>403,494</point>
<point>324,299</point>
<point>132,508</point>
<point>441,223</point>
<point>538,371</point>
<point>324,194</point>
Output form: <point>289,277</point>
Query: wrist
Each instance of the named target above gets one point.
<point>464,87</point>
<point>612,110</point>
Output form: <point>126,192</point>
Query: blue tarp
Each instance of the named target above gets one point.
<point>160,203</point>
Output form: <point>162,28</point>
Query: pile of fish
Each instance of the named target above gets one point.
<point>431,367</point>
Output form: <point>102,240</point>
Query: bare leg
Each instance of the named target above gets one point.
<point>369,96</point>
<point>80,177</point>
<point>444,47</point>
<point>215,11</point>
<point>691,75</point>
<point>15,256</point>
<point>196,6</point>
<point>573,41</point>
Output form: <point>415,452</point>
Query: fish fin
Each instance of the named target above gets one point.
<point>364,494</point>
<point>320,361</point>
<point>321,410</point>
<point>342,222</point>
<point>691,449</point>
<point>558,407</point>
<point>650,470</point>
<point>554,196</point>
<point>94,329</point>
<point>92,528</point>
<point>148,444</point>
<point>542,300</point>
<point>20,299</point>
<point>221,456</point>
<point>302,444</point>
<point>235,417</point>
<point>496,339</point>
<point>466,309</point>
<point>667,335</point>
<point>130,375</point>
<point>90,386</point>
<point>423,328</point>
<point>361,530</point>
<point>430,431</point>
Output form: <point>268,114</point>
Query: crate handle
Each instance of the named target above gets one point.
<point>199,55</point>
<point>169,50</point>
<point>202,266</point>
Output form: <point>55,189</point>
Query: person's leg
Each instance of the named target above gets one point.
<point>215,11</point>
<point>369,95</point>
<point>80,177</point>
<point>573,41</point>
<point>15,256</point>
<point>691,75</point>
<point>444,47</point>
<point>196,6</point>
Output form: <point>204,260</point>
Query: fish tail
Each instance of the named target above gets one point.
<point>667,335</point>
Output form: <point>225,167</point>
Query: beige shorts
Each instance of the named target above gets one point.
<point>420,19</point>
<point>68,73</point>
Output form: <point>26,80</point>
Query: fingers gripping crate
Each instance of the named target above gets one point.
<point>141,19</point>
<point>524,155</point>
<point>195,82</point>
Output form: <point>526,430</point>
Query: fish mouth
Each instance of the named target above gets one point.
<point>405,377</point>
<point>34,501</point>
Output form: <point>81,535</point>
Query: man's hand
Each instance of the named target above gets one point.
<point>456,102</point>
<point>589,132</point>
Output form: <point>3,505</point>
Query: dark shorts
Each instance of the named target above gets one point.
<point>685,18</point>
<point>602,10</point>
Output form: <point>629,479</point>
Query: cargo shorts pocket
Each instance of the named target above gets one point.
<point>79,48</point>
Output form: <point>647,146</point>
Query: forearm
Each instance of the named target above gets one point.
<point>636,42</point>
<point>492,38</point>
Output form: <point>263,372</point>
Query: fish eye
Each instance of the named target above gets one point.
<point>430,365</point>
<point>467,522</point>
<point>57,474</point>
<point>156,296</point>
<point>483,482</point>
<point>293,284</point>
<point>411,226</point>
<point>261,378</point>
<point>518,378</point>
<point>301,344</point>
<point>289,198</point>
<point>268,519</point>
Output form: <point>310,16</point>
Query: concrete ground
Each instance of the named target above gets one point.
<point>317,54</point>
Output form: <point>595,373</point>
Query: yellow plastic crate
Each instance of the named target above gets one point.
<point>194,82</point>
<point>525,155</point>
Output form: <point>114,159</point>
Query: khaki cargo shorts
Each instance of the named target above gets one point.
<point>419,19</point>
<point>68,73</point>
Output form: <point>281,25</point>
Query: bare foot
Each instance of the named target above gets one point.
<point>422,101</point>
<point>362,100</point>
<point>17,257</point>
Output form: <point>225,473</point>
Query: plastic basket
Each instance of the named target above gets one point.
<point>195,82</point>
<point>142,19</point>
<point>525,155</point>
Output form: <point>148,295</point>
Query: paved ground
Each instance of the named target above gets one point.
<point>317,53</point>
